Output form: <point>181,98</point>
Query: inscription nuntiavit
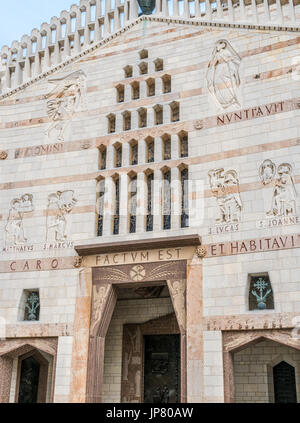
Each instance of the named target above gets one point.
<point>252,113</point>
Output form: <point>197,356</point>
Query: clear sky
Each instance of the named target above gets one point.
<point>19,17</point>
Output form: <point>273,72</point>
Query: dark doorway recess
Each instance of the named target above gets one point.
<point>284,383</point>
<point>162,369</point>
<point>29,381</point>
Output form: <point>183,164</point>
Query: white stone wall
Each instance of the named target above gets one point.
<point>126,311</point>
<point>224,279</point>
<point>225,282</point>
<point>213,367</point>
<point>57,291</point>
<point>63,369</point>
<point>254,374</point>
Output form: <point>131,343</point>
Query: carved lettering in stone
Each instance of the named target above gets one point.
<point>64,100</point>
<point>60,205</point>
<point>177,291</point>
<point>14,227</point>
<point>225,187</point>
<point>284,193</point>
<point>223,78</point>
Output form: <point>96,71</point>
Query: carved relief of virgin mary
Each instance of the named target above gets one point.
<point>222,75</point>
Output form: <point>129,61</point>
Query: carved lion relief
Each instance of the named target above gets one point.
<point>225,187</point>
<point>222,77</point>
<point>14,227</point>
<point>284,193</point>
<point>64,100</point>
<point>60,205</point>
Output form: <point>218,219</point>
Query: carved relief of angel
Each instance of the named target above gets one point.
<point>99,297</point>
<point>64,100</point>
<point>178,294</point>
<point>14,227</point>
<point>222,75</point>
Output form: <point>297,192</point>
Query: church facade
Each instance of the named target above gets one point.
<point>149,213</point>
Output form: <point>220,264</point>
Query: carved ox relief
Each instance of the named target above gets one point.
<point>225,187</point>
<point>64,100</point>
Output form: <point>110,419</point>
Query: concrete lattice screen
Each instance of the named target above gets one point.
<point>91,21</point>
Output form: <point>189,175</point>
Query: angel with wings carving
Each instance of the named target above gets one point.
<point>64,100</point>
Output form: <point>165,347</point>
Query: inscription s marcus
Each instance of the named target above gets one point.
<point>252,113</point>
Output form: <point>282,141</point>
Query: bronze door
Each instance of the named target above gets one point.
<point>29,381</point>
<point>284,383</point>
<point>162,369</point>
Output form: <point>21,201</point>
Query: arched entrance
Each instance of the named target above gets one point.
<point>32,378</point>
<point>28,368</point>
<point>261,366</point>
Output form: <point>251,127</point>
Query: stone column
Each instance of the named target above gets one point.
<point>175,198</point>
<point>150,116</point>
<point>143,89</point>
<point>158,86</point>
<point>81,337</point>
<point>125,154</point>
<point>127,93</point>
<point>142,148</point>
<point>157,190</point>
<point>194,305</point>
<point>109,200</point>
<point>177,289</point>
<point>141,202</point>
<point>229,386</point>
<point>110,157</point>
<point>6,366</point>
<point>157,149</point>
<point>167,113</point>
<point>174,147</point>
<point>124,204</point>
<point>104,299</point>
